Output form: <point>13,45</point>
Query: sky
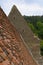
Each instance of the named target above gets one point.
<point>26,7</point>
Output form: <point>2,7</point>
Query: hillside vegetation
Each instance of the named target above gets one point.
<point>36,25</point>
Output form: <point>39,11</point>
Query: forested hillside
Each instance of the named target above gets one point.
<point>36,25</point>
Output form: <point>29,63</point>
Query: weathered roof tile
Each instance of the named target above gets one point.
<point>12,49</point>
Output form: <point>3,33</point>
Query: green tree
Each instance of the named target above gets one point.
<point>40,29</point>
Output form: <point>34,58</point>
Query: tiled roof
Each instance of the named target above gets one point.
<point>12,49</point>
<point>30,39</point>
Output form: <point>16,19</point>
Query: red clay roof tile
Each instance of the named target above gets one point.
<point>12,49</point>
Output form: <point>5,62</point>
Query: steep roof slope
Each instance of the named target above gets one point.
<point>33,43</point>
<point>21,25</point>
<point>12,49</point>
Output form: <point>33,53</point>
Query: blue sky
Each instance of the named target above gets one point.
<point>26,7</point>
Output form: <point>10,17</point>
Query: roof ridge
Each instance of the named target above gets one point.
<point>1,9</point>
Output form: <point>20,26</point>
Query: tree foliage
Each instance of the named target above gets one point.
<point>36,24</point>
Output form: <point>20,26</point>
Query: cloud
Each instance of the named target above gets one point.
<point>33,9</point>
<point>7,4</point>
<point>26,7</point>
